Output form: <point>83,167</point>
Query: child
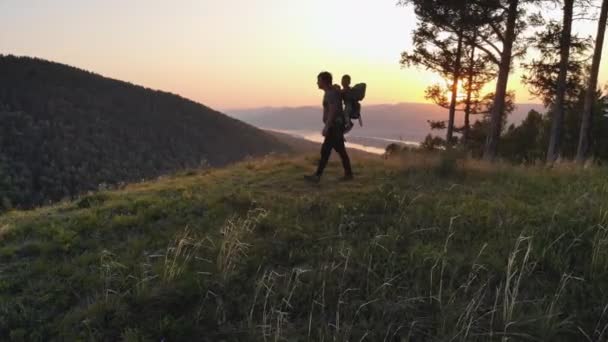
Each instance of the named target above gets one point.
<point>352,107</point>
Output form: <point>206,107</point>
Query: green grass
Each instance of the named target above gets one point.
<point>414,250</point>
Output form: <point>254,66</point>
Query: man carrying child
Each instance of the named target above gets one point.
<point>334,129</point>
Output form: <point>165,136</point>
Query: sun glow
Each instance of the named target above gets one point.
<point>230,54</point>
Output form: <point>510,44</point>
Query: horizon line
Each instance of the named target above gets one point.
<point>220,109</point>
<point>365,104</point>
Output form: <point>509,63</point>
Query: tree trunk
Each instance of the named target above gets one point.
<point>453,102</point>
<point>491,148</point>
<point>586,123</point>
<point>467,109</point>
<point>557,125</point>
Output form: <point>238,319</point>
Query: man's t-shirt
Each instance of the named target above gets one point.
<point>333,97</point>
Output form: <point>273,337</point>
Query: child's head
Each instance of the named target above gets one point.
<point>345,81</point>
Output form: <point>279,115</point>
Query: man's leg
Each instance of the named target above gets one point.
<point>341,149</point>
<point>325,153</point>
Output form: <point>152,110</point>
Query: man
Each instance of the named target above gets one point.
<point>333,131</point>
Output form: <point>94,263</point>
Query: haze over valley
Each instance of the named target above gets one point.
<point>382,123</point>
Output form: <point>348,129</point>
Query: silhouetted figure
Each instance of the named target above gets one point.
<point>352,107</point>
<point>334,120</point>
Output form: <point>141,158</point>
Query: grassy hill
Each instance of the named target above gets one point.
<point>65,131</point>
<point>414,250</point>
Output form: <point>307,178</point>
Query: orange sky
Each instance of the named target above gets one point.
<point>230,54</point>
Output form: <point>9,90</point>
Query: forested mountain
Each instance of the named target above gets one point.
<point>64,131</point>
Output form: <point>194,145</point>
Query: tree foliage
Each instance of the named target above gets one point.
<point>541,73</point>
<point>527,142</point>
<point>494,34</point>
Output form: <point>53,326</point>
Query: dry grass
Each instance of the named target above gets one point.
<point>416,249</point>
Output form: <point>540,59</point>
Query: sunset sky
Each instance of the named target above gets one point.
<point>230,54</point>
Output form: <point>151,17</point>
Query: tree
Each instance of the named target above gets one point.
<point>479,130</point>
<point>557,124</point>
<point>445,42</point>
<point>479,71</point>
<point>526,143</point>
<point>586,122</point>
<point>542,73</point>
<point>469,90</point>
<point>508,40</point>
<point>454,90</point>
<point>496,25</point>
<point>599,145</point>
<point>438,45</point>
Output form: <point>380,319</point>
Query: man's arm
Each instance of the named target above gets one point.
<point>332,111</point>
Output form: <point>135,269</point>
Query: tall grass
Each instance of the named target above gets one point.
<point>417,249</point>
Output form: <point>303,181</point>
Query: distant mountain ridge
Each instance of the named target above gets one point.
<point>402,121</point>
<point>64,131</point>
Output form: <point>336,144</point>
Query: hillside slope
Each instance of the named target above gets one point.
<point>423,250</point>
<point>64,131</point>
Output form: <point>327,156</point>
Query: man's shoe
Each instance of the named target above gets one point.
<point>312,178</point>
<point>347,178</point>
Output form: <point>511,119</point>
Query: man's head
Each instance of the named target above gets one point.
<point>324,80</point>
<point>346,81</point>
